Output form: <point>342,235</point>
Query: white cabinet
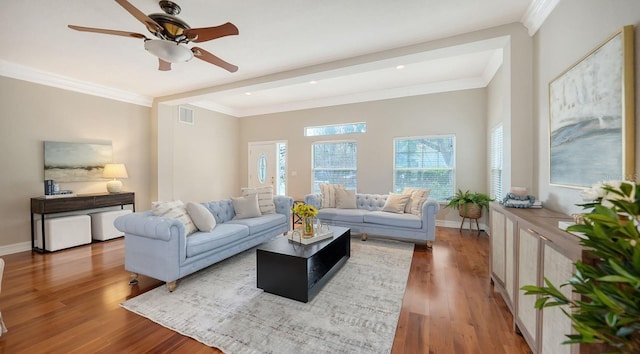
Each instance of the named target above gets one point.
<point>528,267</point>
<point>502,254</point>
<point>526,246</point>
<point>555,324</point>
<point>498,247</point>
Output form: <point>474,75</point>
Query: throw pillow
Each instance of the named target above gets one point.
<point>328,191</point>
<point>395,203</point>
<point>246,207</point>
<point>346,198</point>
<point>265,198</point>
<point>176,210</point>
<point>202,218</point>
<point>418,197</point>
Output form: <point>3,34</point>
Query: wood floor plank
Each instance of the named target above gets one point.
<point>69,302</point>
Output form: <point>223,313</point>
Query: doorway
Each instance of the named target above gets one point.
<point>268,165</point>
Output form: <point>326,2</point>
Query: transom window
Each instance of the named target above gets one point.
<point>347,128</point>
<point>335,162</point>
<point>425,162</point>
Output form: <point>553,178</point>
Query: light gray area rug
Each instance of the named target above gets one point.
<point>355,312</point>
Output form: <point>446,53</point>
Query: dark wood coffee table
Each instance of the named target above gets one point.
<point>297,271</point>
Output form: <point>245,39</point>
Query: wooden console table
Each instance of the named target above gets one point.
<point>44,206</point>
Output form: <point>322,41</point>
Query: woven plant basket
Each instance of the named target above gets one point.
<point>470,210</point>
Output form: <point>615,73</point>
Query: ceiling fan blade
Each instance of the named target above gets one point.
<point>152,25</point>
<point>164,65</point>
<point>208,33</point>
<point>210,58</point>
<point>108,31</point>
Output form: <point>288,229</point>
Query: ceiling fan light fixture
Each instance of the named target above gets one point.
<point>168,50</point>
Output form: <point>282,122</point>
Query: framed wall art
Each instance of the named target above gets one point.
<point>76,162</point>
<point>592,116</point>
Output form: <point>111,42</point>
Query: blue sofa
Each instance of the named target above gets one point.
<point>157,246</point>
<point>369,219</point>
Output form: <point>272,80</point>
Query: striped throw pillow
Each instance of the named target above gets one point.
<point>265,198</point>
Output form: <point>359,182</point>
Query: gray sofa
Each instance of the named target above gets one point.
<point>369,219</point>
<point>157,247</point>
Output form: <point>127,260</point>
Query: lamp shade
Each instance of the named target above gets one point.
<point>115,170</point>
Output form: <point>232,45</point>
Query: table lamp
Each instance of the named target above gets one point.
<point>114,170</point>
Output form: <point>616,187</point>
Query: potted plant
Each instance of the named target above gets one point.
<point>307,213</point>
<point>607,286</point>
<point>469,204</point>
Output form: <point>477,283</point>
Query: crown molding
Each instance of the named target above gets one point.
<point>537,13</point>
<point>25,73</point>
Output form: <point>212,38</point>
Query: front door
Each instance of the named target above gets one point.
<point>263,165</point>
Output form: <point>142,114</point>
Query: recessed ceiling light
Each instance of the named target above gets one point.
<point>313,82</point>
<point>400,67</point>
<point>248,93</point>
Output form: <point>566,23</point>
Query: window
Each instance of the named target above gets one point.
<point>496,163</point>
<point>335,162</point>
<point>348,128</point>
<point>425,162</point>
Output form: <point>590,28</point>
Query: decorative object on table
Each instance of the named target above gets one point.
<point>591,116</point>
<point>514,201</point>
<point>607,289</point>
<point>48,186</point>
<point>75,162</point>
<point>115,171</point>
<point>323,232</point>
<point>307,213</point>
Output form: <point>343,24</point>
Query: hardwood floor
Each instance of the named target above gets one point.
<point>68,302</point>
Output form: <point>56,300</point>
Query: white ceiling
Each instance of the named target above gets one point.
<point>276,36</point>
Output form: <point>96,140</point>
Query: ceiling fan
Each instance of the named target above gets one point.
<point>173,34</point>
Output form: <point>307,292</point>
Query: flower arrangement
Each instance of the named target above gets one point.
<point>304,210</point>
<point>607,309</point>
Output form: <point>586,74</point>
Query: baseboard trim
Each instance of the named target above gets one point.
<point>15,248</point>
<point>456,225</point>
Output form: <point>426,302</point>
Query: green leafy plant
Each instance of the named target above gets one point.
<point>462,199</point>
<point>608,287</point>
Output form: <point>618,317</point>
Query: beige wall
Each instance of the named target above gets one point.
<point>572,30</point>
<point>32,113</point>
<point>498,113</point>
<point>198,162</point>
<point>462,113</point>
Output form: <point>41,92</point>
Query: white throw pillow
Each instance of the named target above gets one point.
<point>201,216</point>
<point>176,210</point>
<point>346,198</point>
<point>418,197</point>
<point>329,194</point>
<point>246,207</point>
<point>395,203</point>
<point>265,198</point>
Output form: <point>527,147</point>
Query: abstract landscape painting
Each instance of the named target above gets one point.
<point>75,162</point>
<point>587,120</point>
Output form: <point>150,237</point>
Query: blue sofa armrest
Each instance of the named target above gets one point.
<point>147,225</point>
<point>429,210</point>
<point>283,206</point>
<point>313,199</point>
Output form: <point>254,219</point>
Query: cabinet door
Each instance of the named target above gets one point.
<point>528,265</point>
<point>558,268</point>
<point>509,237</point>
<point>497,246</point>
